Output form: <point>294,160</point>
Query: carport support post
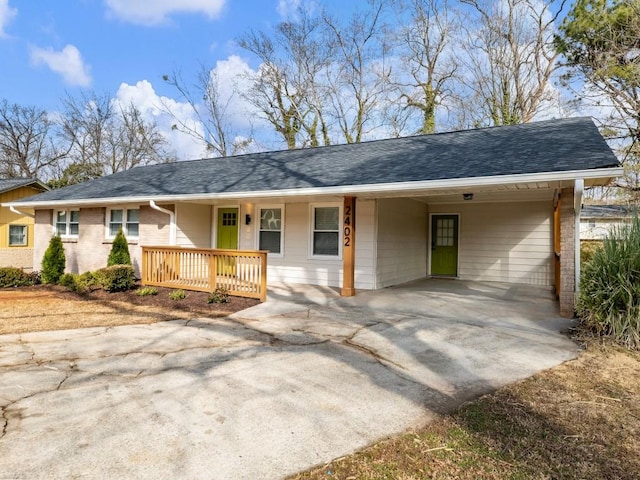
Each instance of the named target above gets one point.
<point>348,247</point>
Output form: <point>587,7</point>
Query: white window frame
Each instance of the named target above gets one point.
<point>107,222</point>
<point>312,207</point>
<point>258,210</point>
<point>26,236</point>
<point>68,222</point>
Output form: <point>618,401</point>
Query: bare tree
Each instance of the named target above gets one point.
<point>287,88</point>
<point>105,137</point>
<point>429,64</point>
<point>359,73</point>
<point>28,142</point>
<point>510,59</point>
<point>211,109</point>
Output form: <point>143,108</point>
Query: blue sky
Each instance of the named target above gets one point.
<point>48,47</point>
<point>124,47</point>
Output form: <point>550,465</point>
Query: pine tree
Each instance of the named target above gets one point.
<point>119,254</point>
<point>54,261</point>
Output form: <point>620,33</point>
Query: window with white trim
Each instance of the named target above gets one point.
<point>325,231</point>
<point>270,234</point>
<point>126,219</point>
<point>17,235</point>
<point>67,223</point>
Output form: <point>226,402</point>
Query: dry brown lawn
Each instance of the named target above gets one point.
<point>31,309</point>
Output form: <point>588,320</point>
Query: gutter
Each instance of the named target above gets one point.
<point>578,190</point>
<point>172,221</point>
<point>407,189</point>
<point>18,212</point>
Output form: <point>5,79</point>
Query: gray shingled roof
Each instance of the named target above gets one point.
<point>548,146</point>
<point>607,211</point>
<point>7,184</point>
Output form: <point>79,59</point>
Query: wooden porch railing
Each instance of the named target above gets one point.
<point>241,272</point>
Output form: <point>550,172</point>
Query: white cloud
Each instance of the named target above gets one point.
<point>145,12</point>
<point>67,62</point>
<point>6,15</point>
<point>287,8</point>
<point>153,107</point>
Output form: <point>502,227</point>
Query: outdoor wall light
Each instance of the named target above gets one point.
<point>467,196</point>
<point>247,219</point>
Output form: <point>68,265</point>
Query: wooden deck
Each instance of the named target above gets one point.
<point>242,273</point>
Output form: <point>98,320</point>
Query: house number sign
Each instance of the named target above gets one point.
<point>348,223</point>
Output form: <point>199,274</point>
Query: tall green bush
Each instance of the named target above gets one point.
<point>54,261</point>
<point>609,299</point>
<point>119,254</point>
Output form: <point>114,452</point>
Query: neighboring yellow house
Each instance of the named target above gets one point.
<point>16,230</point>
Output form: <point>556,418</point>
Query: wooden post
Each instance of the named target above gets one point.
<point>348,247</point>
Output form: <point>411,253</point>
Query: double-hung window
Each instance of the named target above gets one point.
<point>17,235</point>
<point>325,230</point>
<point>67,223</point>
<point>270,229</point>
<point>126,219</point>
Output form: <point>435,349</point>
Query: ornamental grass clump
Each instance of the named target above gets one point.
<point>609,299</point>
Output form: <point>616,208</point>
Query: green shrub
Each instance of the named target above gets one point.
<point>177,295</point>
<point>119,254</point>
<point>609,299</point>
<point>588,249</point>
<point>146,291</point>
<point>116,278</point>
<point>219,295</point>
<point>16,277</point>
<point>68,280</point>
<point>85,282</point>
<point>54,261</point>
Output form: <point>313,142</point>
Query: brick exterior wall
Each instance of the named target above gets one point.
<point>19,257</point>
<point>567,254</point>
<point>91,249</point>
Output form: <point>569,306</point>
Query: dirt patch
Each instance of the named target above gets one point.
<point>45,307</point>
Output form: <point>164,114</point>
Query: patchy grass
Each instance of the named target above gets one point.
<point>579,420</point>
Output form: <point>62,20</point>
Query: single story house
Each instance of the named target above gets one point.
<point>16,228</point>
<point>494,204</point>
<point>597,221</point>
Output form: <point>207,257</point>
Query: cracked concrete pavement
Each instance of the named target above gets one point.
<point>295,382</point>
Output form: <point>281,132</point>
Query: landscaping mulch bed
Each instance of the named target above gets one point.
<point>51,307</point>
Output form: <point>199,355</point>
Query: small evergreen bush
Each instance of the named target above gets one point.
<point>219,295</point>
<point>119,254</point>
<point>177,295</point>
<point>16,277</point>
<point>54,261</point>
<point>68,280</point>
<point>609,299</point>
<point>146,291</point>
<point>116,278</point>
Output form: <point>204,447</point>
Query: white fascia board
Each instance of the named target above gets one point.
<point>376,188</point>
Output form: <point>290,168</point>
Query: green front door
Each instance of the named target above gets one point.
<point>227,228</point>
<point>444,245</point>
<point>228,239</point>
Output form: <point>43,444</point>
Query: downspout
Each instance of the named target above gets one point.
<point>578,190</point>
<point>22,214</point>
<point>172,221</point>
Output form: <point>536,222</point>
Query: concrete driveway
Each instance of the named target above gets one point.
<point>291,383</point>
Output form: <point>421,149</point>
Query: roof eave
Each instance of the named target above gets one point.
<point>603,174</point>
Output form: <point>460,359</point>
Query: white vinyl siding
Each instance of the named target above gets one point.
<point>295,266</point>
<point>193,225</point>
<point>504,242</point>
<point>402,241</point>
